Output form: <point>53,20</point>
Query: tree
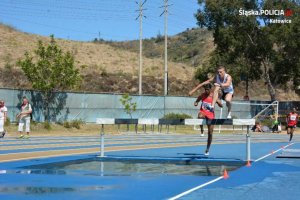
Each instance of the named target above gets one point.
<point>251,45</point>
<point>129,106</point>
<point>286,41</point>
<point>49,70</point>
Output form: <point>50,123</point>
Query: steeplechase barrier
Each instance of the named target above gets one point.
<point>155,121</point>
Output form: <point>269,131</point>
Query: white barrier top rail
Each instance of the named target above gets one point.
<point>155,121</point>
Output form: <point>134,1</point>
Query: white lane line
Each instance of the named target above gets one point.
<point>221,177</point>
<point>195,188</point>
<point>273,152</point>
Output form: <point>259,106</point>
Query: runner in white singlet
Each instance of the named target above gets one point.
<point>223,83</point>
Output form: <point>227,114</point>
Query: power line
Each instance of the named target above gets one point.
<point>104,10</point>
<point>72,5</point>
<point>67,29</point>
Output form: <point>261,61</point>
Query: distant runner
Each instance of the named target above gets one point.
<point>291,119</point>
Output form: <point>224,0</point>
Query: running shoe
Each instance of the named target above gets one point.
<point>26,137</point>
<point>206,153</point>
<point>21,137</point>
<point>202,135</point>
<point>2,135</point>
<point>229,116</point>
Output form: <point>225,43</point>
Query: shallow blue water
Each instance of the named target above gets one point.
<point>98,167</point>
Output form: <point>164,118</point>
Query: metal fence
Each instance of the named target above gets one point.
<point>89,106</point>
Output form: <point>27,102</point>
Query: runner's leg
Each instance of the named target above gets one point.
<point>216,95</point>
<point>292,133</point>
<point>209,138</point>
<point>201,116</point>
<point>228,99</point>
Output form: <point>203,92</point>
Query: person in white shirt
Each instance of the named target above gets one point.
<point>3,116</point>
<point>24,118</point>
<point>223,88</point>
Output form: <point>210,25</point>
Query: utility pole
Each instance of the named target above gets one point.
<point>166,12</point>
<point>140,16</point>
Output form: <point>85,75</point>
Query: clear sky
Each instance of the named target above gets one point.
<point>87,19</point>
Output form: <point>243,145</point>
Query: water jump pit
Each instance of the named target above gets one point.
<point>113,177</point>
<point>131,166</point>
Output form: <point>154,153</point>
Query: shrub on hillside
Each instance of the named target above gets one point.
<point>7,122</point>
<point>177,116</point>
<point>66,124</point>
<point>76,123</point>
<point>47,125</point>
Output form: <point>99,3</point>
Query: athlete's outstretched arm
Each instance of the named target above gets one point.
<point>200,85</point>
<point>198,100</point>
<point>227,83</point>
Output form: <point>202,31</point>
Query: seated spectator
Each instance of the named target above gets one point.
<point>265,129</point>
<point>257,127</point>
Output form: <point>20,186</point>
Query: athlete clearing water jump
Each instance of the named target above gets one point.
<point>205,112</point>
<point>222,82</point>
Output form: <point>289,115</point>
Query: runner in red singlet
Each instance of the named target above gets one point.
<point>206,112</point>
<point>291,119</point>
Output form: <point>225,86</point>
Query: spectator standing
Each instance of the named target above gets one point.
<point>3,117</point>
<point>24,118</point>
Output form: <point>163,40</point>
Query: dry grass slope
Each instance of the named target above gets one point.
<point>106,67</point>
<point>102,66</point>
